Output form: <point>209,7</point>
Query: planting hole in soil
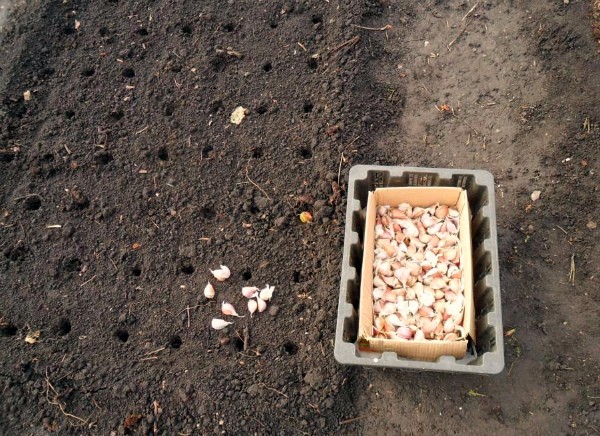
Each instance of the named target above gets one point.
<point>121,335</point>
<point>128,72</point>
<point>246,275</point>
<point>267,67</point>
<point>175,342</point>
<point>8,329</point>
<point>33,202</point>
<point>290,348</point>
<point>63,326</point>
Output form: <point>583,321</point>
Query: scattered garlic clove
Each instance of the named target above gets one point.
<point>266,293</point>
<point>262,305</point>
<point>219,324</point>
<point>228,309</point>
<point>209,291</point>
<point>222,273</point>
<point>252,306</point>
<point>249,291</point>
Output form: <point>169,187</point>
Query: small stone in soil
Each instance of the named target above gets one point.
<point>273,310</point>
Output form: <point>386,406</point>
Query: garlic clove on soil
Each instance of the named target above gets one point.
<point>222,273</point>
<point>252,306</point>
<point>228,309</point>
<point>266,293</point>
<point>262,305</point>
<point>219,324</point>
<point>209,291</point>
<point>249,291</point>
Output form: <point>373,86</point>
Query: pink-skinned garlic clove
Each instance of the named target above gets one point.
<point>228,309</point>
<point>404,333</point>
<point>249,291</point>
<point>442,211</point>
<point>262,304</point>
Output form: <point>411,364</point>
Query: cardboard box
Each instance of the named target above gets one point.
<point>427,350</point>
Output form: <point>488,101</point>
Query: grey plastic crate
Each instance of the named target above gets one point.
<point>487,357</point>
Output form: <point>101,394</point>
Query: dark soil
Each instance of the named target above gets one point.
<point>122,181</point>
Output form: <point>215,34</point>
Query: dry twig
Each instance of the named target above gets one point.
<point>572,270</point>
<point>375,29</point>
<point>255,185</point>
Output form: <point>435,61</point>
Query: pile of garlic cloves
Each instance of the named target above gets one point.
<point>417,274</point>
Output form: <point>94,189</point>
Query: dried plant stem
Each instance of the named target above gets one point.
<point>255,185</point>
<point>56,402</point>
<point>375,29</point>
<point>572,270</point>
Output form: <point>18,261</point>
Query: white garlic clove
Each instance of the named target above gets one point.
<point>219,324</point>
<point>437,283</point>
<point>379,283</point>
<point>228,309</point>
<point>209,291</point>
<point>413,306</point>
<point>267,293</point>
<point>262,305</point>
<point>419,336</point>
<point>252,306</point>
<point>222,273</point>
<point>388,308</point>
<point>394,320</point>
<point>249,291</point>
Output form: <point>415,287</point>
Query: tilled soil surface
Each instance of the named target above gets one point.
<point>123,181</point>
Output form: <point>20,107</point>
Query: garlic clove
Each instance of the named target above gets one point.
<point>394,320</point>
<point>454,285</point>
<point>404,333</point>
<point>252,306</point>
<point>451,337</point>
<point>222,273</point>
<point>249,291</point>
<point>262,305</point>
<point>382,210</point>
<point>413,306</point>
<point>209,291</point>
<point>228,309</point>
<point>388,308</point>
<point>219,324</point>
<point>448,325</point>
<point>378,293</point>
<point>442,211</point>
<point>267,293</point>
<point>437,283</point>
<point>427,299</point>
<point>378,282</point>
<point>419,336</point>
